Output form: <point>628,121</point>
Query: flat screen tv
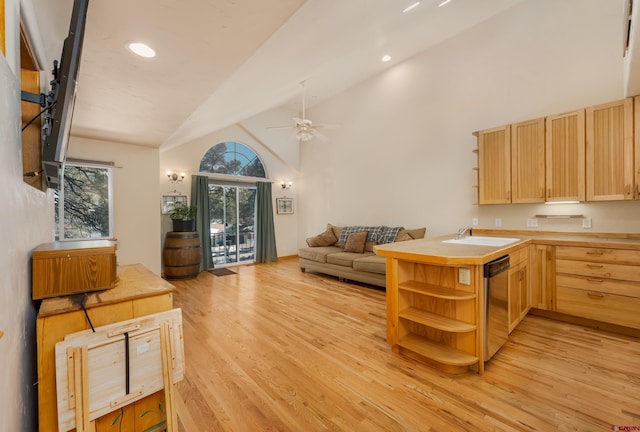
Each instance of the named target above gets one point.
<point>61,99</point>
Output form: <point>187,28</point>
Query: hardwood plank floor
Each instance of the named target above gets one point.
<point>275,349</point>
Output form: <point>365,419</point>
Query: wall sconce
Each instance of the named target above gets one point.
<point>174,177</point>
<point>286,185</point>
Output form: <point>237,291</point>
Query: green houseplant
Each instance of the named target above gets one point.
<point>182,217</point>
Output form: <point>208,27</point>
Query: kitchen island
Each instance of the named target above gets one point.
<point>435,304</point>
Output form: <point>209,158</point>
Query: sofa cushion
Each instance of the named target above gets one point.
<point>371,264</point>
<point>356,242</point>
<point>416,233</point>
<point>318,254</point>
<point>346,259</point>
<point>327,238</point>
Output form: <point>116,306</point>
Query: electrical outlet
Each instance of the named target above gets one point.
<point>532,223</point>
<point>464,276</point>
<point>474,222</point>
<point>498,222</point>
<point>586,223</point>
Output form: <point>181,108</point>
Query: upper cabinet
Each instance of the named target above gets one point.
<point>609,151</point>
<point>527,161</point>
<point>565,157</point>
<point>591,154</point>
<point>494,166</point>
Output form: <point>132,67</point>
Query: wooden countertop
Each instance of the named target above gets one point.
<point>134,281</point>
<point>434,251</point>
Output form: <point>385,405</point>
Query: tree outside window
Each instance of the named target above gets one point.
<point>84,202</point>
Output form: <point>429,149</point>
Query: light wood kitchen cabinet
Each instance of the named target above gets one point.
<point>636,145</point>
<point>609,151</point>
<point>601,284</point>
<point>518,297</point>
<point>565,157</point>
<point>543,277</point>
<point>431,313</point>
<point>494,166</point>
<point>527,161</point>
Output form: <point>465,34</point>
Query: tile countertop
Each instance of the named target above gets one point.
<point>434,251</point>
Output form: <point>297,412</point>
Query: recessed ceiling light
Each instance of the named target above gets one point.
<point>444,3</point>
<point>142,50</point>
<point>411,6</point>
<point>386,58</point>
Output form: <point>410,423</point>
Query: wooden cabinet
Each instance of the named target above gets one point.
<point>431,313</point>
<point>636,144</point>
<point>527,161</point>
<point>601,284</point>
<point>565,157</point>
<point>494,166</point>
<point>138,292</point>
<point>518,296</point>
<point>543,277</point>
<point>63,268</point>
<point>609,151</point>
<point>511,163</point>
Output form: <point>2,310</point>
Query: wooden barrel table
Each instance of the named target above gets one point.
<point>181,255</point>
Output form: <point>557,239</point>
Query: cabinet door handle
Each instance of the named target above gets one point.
<point>595,280</point>
<point>594,266</point>
<point>548,193</point>
<point>628,189</point>
<point>595,252</point>
<point>595,294</point>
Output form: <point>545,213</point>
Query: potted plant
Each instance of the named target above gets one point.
<point>182,217</point>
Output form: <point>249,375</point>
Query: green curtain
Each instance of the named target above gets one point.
<point>200,199</point>
<point>265,232</point>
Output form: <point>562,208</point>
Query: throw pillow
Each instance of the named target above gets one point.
<point>327,238</point>
<point>416,233</point>
<point>356,242</point>
<point>406,236</point>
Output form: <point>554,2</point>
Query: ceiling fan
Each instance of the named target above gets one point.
<point>305,130</point>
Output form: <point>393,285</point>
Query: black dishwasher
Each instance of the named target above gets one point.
<point>496,308</point>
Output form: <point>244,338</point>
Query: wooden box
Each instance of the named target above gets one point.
<point>63,268</point>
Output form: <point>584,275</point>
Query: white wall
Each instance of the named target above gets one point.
<point>136,197</point>
<point>27,221</point>
<point>403,153</point>
<point>278,152</point>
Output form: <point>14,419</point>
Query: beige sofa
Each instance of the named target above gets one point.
<point>333,252</point>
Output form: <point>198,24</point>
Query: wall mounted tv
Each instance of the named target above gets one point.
<point>61,99</point>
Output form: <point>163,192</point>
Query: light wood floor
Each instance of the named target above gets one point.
<point>274,349</point>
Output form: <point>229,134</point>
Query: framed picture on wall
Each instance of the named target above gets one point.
<point>169,202</point>
<point>284,205</point>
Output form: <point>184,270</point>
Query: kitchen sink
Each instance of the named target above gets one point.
<point>483,241</point>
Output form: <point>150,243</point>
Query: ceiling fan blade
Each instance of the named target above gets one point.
<point>280,127</point>
<point>320,136</point>
<point>326,126</point>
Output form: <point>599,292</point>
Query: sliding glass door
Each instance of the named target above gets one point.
<point>233,211</point>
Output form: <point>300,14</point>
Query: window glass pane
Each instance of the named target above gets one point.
<point>84,203</point>
<point>234,159</point>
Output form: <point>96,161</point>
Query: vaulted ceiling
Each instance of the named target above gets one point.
<point>220,62</point>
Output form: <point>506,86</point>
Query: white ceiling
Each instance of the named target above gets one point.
<point>220,62</point>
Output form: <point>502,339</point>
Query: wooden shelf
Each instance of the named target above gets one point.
<point>436,321</point>
<point>435,291</point>
<point>437,351</point>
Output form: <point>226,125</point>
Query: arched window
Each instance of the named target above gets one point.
<point>232,158</point>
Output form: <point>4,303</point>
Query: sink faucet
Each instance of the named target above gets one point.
<point>461,232</point>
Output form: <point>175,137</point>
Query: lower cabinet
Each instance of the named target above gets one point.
<point>601,284</point>
<point>543,277</point>
<point>519,296</point>
<point>431,313</point>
